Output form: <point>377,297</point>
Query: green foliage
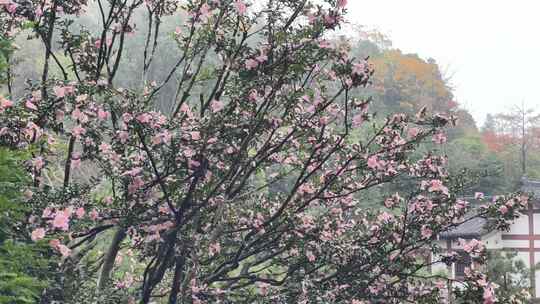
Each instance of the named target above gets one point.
<point>17,288</point>
<point>24,265</point>
<point>510,273</point>
<point>469,155</point>
<point>11,177</point>
<point>6,49</point>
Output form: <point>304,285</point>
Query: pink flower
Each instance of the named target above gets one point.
<point>324,120</point>
<point>189,153</point>
<point>38,163</point>
<point>178,30</point>
<point>341,3</point>
<point>62,91</point>
<point>78,131</point>
<point>133,172</point>
<point>12,7</point>
<point>164,209</point>
<point>437,186</point>
<point>46,212</point>
<point>330,20</point>
<point>216,106</point>
<point>127,117</point>
<point>440,284</point>
<point>144,118</point>
<point>38,11</point>
<point>94,215</point>
<point>64,250</point>
<point>59,91</point>
<point>104,147</point>
<point>479,195</point>
<point>5,103</point>
<point>163,137</point>
<point>251,64</point>
<point>38,234</point>
<point>263,288</point>
<point>205,10</point>
<point>373,162</point>
<point>358,69</point>
<point>103,115</point>
<point>54,243</point>
<point>136,184</point>
<point>312,18</point>
<point>30,105</point>
<point>240,7</point>
<point>426,232</point>
<point>193,163</point>
<point>214,249</point>
<point>472,245</point>
<point>156,140</point>
<point>123,136</point>
<point>126,283</point>
<point>32,131</point>
<point>253,96</point>
<point>489,295</point>
<point>310,256</point>
<point>413,132</point>
<point>325,44</point>
<point>357,120</point>
<point>195,135</point>
<point>503,209</point>
<point>79,115</point>
<point>439,138</point>
<point>70,89</point>
<point>59,115</point>
<point>61,220</point>
<point>80,212</point>
<point>261,58</point>
<point>385,217</point>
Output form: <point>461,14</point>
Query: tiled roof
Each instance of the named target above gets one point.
<point>530,186</point>
<point>475,227</point>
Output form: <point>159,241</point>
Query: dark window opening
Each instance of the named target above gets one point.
<point>463,262</point>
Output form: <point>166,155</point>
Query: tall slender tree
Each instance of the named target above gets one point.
<point>520,125</point>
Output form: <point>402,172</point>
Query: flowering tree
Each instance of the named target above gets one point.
<point>252,183</point>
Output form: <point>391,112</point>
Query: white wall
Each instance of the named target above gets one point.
<point>536,218</point>
<point>520,226</point>
<point>493,240</point>
<point>515,243</point>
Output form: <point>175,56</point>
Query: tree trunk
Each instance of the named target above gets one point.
<point>110,257</point>
<point>155,273</point>
<point>177,280</point>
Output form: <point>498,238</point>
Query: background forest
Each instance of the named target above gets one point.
<point>401,83</point>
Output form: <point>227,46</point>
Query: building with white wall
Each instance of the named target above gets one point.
<point>523,237</point>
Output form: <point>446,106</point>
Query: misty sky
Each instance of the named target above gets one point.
<point>491,47</point>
